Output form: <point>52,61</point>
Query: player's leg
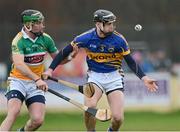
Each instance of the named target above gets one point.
<point>35,102</point>
<point>15,97</point>
<point>37,112</point>
<point>13,110</point>
<point>90,121</point>
<point>116,103</point>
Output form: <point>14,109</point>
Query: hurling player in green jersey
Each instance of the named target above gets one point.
<point>25,84</point>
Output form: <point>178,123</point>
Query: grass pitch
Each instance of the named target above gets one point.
<point>136,121</point>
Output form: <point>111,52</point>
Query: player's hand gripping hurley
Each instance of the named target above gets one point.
<point>86,89</point>
<point>100,114</point>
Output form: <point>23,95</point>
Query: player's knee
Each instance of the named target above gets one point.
<point>37,121</point>
<point>118,117</point>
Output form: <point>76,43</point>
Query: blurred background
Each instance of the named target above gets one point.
<point>156,48</point>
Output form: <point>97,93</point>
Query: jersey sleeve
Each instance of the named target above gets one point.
<point>124,46</point>
<point>50,44</point>
<point>80,41</point>
<point>17,46</point>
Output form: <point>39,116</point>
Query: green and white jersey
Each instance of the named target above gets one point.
<point>33,51</point>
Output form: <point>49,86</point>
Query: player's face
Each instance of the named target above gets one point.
<point>109,27</point>
<point>38,27</point>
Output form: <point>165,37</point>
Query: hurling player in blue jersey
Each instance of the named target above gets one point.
<point>105,50</point>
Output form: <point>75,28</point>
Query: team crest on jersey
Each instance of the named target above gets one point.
<point>111,49</point>
<point>102,47</point>
<point>14,48</point>
<point>35,48</point>
<point>28,49</point>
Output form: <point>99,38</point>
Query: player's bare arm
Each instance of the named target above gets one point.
<point>18,60</point>
<point>149,83</point>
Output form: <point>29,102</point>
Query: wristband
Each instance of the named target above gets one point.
<point>37,79</point>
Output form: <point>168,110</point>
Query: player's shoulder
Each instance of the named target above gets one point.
<point>118,36</point>
<point>45,35</point>
<point>86,35</point>
<point>17,39</point>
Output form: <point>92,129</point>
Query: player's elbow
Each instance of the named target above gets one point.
<point>18,64</point>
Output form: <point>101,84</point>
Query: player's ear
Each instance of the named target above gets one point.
<point>28,26</point>
<point>98,24</point>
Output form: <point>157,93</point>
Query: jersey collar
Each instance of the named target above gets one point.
<point>25,36</point>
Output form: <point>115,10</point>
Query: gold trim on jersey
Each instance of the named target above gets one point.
<point>74,44</point>
<point>126,52</point>
<point>17,38</point>
<point>116,66</point>
<point>38,70</point>
<point>15,42</point>
<point>117,62</point>
<point>104,57</point>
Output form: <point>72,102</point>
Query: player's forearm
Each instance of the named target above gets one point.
<point>24,69</point>
<point>61,56</point>
<point>134,66</point>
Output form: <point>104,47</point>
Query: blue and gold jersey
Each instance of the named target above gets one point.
<point>103,54</point>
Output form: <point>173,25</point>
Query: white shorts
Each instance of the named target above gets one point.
<point>107,81</point>
<point>24,90</point>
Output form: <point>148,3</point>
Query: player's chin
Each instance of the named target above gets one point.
<point>110,31</point>
<point>42,31</point>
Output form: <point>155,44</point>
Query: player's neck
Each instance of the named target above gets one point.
<point>100,34</point>
<point>31,35</point>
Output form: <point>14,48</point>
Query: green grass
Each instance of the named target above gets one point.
<point>137,121</point>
